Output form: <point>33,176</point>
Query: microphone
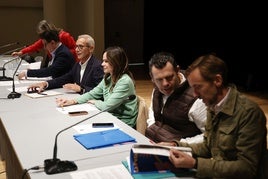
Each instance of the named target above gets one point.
<point>55,165</point>
<point>4,78</point>
<point>10,44</point>
<point>16,49</point>
<point>15,94</point>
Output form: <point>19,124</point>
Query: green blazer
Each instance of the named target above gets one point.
<point>116,100</point>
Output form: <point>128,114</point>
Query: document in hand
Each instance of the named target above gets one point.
<point>103,138</point>
<point>148,159</point>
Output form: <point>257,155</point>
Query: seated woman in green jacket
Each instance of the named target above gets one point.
<point>112,92</point>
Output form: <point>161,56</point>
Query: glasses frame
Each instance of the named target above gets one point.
<point>80,47</point>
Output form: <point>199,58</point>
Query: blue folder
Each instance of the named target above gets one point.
<point>103,138</point>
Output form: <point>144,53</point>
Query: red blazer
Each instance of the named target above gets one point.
<point>65,38</point>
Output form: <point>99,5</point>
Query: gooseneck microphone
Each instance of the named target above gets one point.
<point>4,77</point>
<point>16,49</point>
<point>55,165</point>
<point>8,45</point>
<point>15,94</point>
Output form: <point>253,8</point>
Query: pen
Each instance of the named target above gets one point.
<point>42,93</point>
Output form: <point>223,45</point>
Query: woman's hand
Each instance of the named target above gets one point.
<point>65,102</point>
<point>16,54</point>
<point>91,101</point>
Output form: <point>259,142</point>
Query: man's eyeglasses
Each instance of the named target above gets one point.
<point>80,47</point>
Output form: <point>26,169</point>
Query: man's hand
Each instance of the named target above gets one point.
<point>72,86</point>
<point>181,159</point>
<point>39,87</point>
<point>22,75</point>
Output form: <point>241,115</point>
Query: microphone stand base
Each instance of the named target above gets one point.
<point>4,78</point>
<point>53,166</point>
<point>13,95</point>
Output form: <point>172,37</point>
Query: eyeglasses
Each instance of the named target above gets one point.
<point>80,47</point>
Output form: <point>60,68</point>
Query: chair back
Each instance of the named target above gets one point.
<point>141,123</point>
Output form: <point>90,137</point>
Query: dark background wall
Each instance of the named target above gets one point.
<point>235,32</point>
<point>124,26</point>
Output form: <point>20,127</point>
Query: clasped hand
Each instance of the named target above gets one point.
<point>38,87</point>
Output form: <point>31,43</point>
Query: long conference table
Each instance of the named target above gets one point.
<point>28,128</point>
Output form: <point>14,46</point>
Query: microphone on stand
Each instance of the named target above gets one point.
<point>4,78</point>
<point>16,49</point>
<point>55,165</point>
<point>8,45</point>
<point>15,94</point>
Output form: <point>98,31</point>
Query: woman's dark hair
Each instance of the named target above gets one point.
<point>117,58</point>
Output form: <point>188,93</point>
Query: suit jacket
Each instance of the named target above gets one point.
<point>92,76</point>
<point>62,63</point>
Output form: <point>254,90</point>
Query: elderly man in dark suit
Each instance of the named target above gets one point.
<point>85,74</point>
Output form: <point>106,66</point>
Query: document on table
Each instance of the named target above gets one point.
<point>43,94</point>
<point>111,172</point>
<point>78,107</point>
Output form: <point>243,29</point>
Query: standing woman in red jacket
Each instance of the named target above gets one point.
<point>65,37</point>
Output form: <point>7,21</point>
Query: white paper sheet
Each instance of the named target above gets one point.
<point>43,94</point>
<point>78,107</point>
<point>111,172</point>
